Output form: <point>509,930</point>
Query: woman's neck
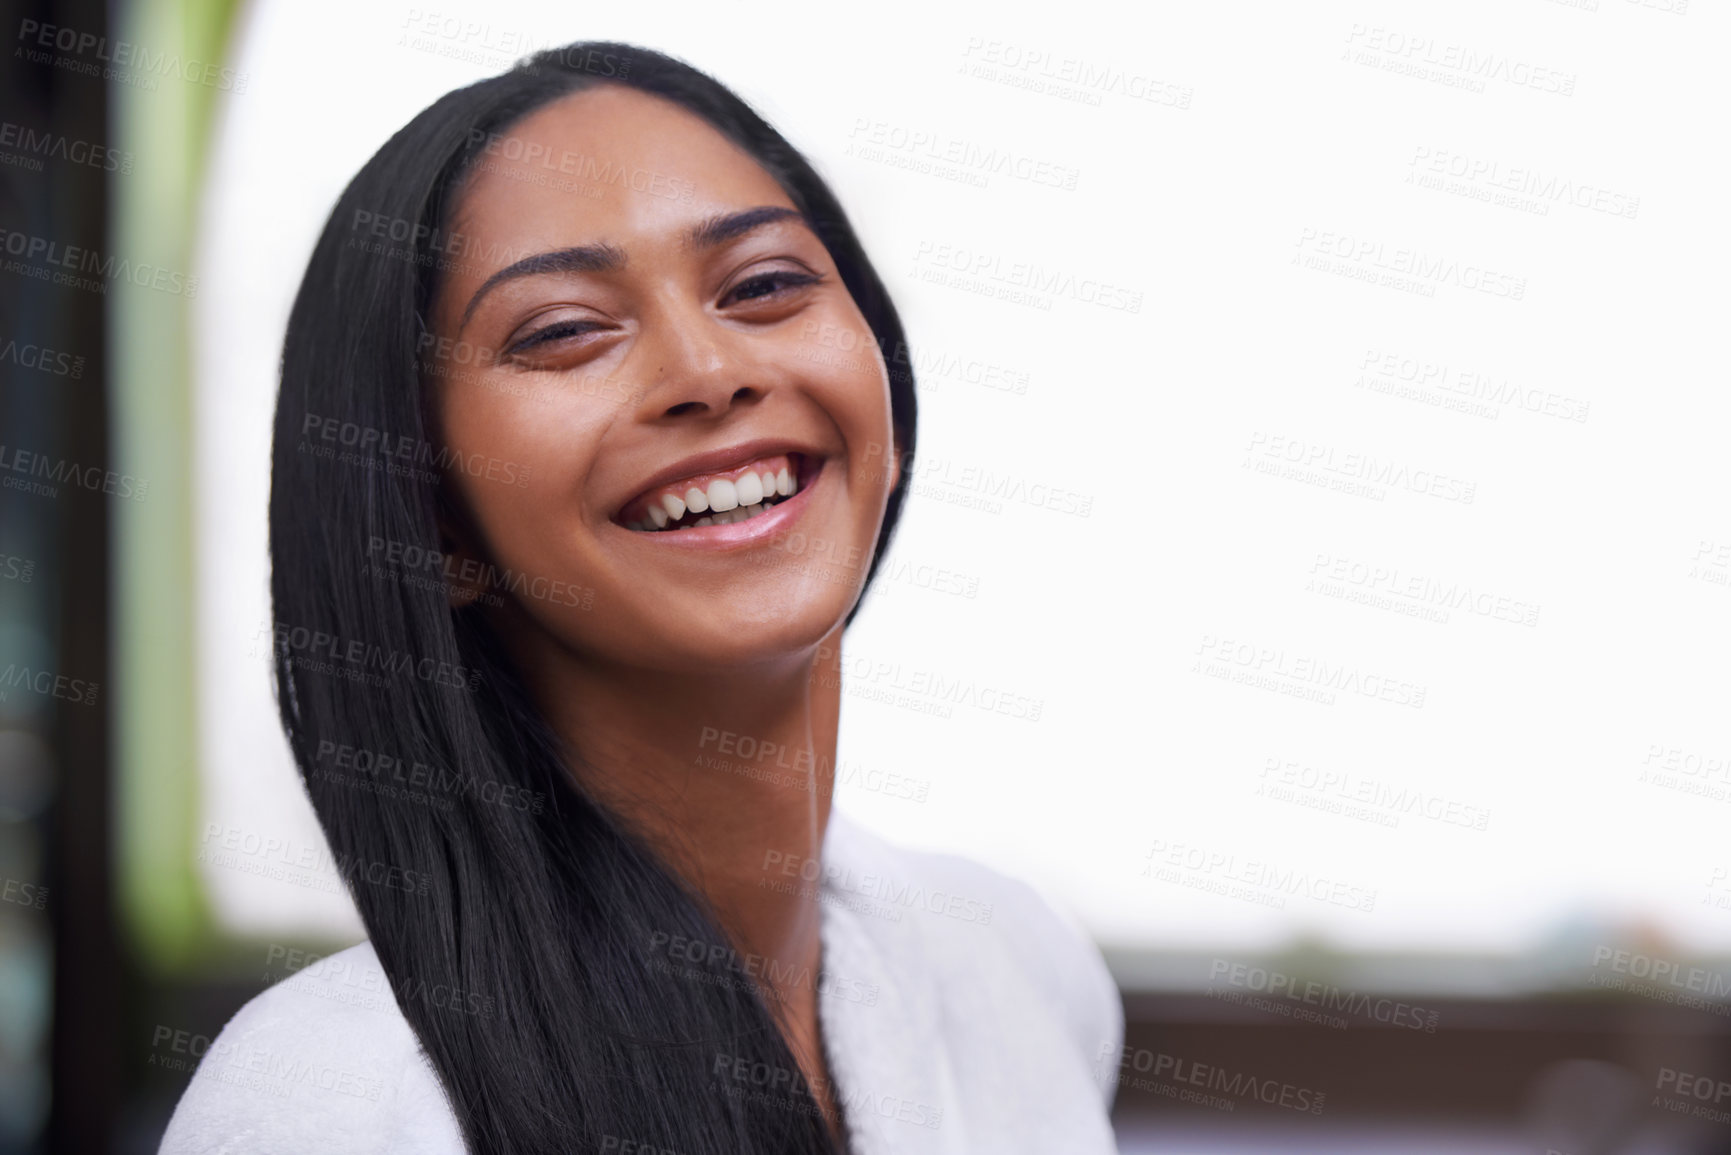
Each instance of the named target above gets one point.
<point>729,778</point>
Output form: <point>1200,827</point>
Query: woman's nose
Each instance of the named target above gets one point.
<point>693,366</point>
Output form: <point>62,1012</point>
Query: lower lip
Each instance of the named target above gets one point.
<point>779,519</point>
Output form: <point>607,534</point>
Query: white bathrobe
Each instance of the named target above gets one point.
<point>960,1014</point>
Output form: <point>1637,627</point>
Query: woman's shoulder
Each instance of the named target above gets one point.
<point>322,1060</point>
<point>958,906</point>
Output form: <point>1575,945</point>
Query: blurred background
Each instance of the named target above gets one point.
<point>1322,455</point>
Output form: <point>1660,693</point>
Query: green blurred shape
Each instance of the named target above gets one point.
<point>154,221</point>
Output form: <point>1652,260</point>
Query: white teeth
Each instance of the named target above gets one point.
<point>727,500</point>
<point>659,520</point>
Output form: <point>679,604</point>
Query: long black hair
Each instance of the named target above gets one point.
<point>514,916</point>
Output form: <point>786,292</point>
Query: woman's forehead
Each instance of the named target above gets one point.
<point>608,160</point>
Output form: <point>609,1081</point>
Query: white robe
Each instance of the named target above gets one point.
<point>960,1014</point>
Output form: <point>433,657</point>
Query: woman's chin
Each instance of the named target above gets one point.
<point>762,635</point>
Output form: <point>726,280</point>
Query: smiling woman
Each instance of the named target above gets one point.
<point>584,295</point>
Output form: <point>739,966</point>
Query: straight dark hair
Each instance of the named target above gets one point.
<point>555,1031</point>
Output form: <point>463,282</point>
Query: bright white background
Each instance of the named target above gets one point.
<point>1153,415</point>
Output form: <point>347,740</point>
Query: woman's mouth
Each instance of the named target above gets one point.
<point>721,497</point>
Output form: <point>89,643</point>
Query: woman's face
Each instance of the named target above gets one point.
<point>636,325</point>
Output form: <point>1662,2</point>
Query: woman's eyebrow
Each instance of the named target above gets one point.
<point>605,258</point>
<point>598,258</point>
<point>724,227</point>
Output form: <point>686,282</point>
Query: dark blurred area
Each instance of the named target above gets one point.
<point>68,986</point>
<point>1566,1074</point>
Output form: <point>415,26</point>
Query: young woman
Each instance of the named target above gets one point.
<point>573,496</point>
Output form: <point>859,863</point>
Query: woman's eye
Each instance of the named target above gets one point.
<point>555,332</point>
<point>770,285</point>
